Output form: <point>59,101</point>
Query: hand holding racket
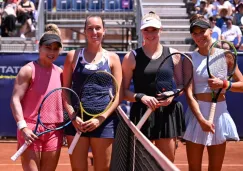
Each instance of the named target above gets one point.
<point>215,63</point>
<point>95,98</point>
<point>56,111</point>
<point>170,84</point>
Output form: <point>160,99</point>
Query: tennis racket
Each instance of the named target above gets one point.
<point>170,84</point>
<point>95,98</point>
<point>55,112</point>
<point>215,64</point>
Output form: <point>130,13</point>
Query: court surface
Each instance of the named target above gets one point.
<point>233,158</point>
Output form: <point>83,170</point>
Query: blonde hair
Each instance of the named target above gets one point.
<point>52,29</point>
<point>151,14</point>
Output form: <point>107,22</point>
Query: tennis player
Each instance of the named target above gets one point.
<point>199,100</point>
<point>32,83</point>
<point>97,133</point>
<point>166,123</point>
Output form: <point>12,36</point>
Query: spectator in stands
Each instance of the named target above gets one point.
<point>216,32</point>
<point>199,131</point>
<point>238,17</point>
<point>223,3</point>
<point>166,123</point>
<point>25,16</point>
<point>231,33</point>
<point>29,89</point>
<point>221,21</point>
<point>8,18</point>
<point>203,10</point>
<point>97,133</point>
<point>235,3</point>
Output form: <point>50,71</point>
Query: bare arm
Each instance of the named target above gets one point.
<point>68,69</point>
<point>128,65</point>
<point>237,85</point>
<point>20,87</point>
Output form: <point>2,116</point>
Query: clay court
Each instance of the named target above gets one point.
<point>233,158</point>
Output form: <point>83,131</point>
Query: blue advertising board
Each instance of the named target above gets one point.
<point>10,64</point>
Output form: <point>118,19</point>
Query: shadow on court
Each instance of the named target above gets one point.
<point>233,158</point>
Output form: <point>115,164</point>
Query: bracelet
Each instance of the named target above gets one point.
<point>139,96</point>
<point>225,84</point>
<point>21,124</point>
<point>229,85</point>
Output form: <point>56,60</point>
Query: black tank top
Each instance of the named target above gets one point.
<point>145,71</point>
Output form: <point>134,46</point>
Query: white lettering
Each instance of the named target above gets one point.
<point>9,69</point>
<point>3,68</point>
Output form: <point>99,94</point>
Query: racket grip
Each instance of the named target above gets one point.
<point>19,152</point>
<point>212,112</point>
<point>74,142</point>
<point>144,118</point>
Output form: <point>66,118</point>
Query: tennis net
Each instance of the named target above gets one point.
<point>132,151</point>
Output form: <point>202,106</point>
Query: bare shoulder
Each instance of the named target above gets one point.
<point>25,72</point>
<point>70,54</point>
<point>113,55</point>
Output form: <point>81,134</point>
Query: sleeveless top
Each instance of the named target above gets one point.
<point>200,75</point>
<point>83,69</point>
<point>26,6</point>
<point>42,82</point>
<point>146,69</point>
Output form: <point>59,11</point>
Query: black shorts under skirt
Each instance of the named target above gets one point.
<point>165,122</point>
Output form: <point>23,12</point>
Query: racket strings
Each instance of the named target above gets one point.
<point>187,72</point>
<point>95,95</point>
<point>217,64</point>
<point>230,61</point>
<point>58,108</point>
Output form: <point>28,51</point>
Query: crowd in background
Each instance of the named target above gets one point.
<point>226,19</point>
<point>16,13</point>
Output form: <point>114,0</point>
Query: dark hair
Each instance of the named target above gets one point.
<point>93,16</point>
<point>198,17</point>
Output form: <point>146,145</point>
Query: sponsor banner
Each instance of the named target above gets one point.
<point>11,63</point>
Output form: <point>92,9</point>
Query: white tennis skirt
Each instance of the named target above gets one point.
<point>225,128</point>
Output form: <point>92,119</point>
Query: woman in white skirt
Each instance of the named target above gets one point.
<point>199,131</point>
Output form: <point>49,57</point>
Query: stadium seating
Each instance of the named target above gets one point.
<point>112,5</point>
<point>48,4</point>
<point>63,5</point>
<point>78,5</point>
<point>95,5</point>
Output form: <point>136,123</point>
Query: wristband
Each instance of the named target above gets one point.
<point>225,84</point>
<point>230,85</point>
<point>21,124</point>
<point>139,96</point>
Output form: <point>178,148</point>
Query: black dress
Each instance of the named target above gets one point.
<point>164,122</point>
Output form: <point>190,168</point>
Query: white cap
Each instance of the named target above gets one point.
<point>150,22</point>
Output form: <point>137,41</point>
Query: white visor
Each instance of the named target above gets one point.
<point>150,22</point>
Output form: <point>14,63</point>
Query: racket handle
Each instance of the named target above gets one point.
<point>74,142</point>
<point>212,112</point>
<point>19,152</point>
<point>144,118</point>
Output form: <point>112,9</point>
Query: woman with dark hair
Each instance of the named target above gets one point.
<point>97,133</point>
<point>199,131</point>
<point>31,85</point>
